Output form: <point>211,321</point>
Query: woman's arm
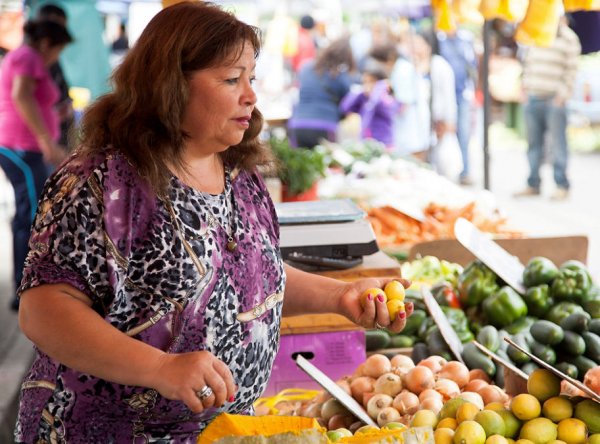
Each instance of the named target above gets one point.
<point>310,293</point>
<point>22,93</point>
<point>59,320</point>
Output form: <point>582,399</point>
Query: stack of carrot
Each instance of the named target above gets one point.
<point>395,229</point>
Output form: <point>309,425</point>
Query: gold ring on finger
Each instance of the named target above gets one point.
<point>378,326</point>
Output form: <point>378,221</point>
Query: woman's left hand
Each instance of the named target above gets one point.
<point>374,314</point>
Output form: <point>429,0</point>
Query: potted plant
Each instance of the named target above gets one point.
<point>299,170</point>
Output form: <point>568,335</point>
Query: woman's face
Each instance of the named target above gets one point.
<point>220,103</point>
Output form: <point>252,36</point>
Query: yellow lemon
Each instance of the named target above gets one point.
<point>510,441</point>
<point>496,406</point>
<point>496,439</point>
<point>424,418</point>
<point>447,423</point>
<point>443,436</point>
<point>557,441</point>
<point>512,425</point>
<point>492,422</point>
<point>525,406</point>
<point>394,306</point>
<point>523,441</point>
<point>539,431</point>
<point>557,408</point>
<point>469,432</point>
<point>543,384</point>
<point>394,290</point>
<point>572,431</point>
<point>466,412</point>
<point>373,292</point>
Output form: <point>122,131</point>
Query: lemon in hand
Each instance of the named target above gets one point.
<point>394,290</point>
<point>374,293</point>
<point>394,307</point>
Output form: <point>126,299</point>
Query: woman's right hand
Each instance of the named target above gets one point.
<point>180,376</point>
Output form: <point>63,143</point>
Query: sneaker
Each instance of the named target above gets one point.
<point>560,194</point>
<point>527,192</point>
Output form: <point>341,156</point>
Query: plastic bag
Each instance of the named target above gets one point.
<point>446,157</point>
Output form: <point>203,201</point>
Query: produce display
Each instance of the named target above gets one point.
<point>394,189</point>
<point>557,319</point>
<point>394,228</point>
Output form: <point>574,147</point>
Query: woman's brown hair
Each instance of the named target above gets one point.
<point>335,58</point>
<point>142,116</point>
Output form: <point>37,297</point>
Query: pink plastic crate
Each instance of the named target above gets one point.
<point>336,354</point>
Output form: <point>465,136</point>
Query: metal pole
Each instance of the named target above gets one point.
<point>486,103</point>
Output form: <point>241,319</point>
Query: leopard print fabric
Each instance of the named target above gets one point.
<point>158,270</point>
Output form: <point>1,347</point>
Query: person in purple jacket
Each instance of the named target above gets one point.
<point>154,286</point>
<point>374,103</point>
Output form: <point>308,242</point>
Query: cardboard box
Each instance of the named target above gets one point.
<point>557,249</point>
<point>336,354</point>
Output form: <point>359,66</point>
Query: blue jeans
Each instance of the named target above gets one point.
<point>544,118</point>
<point>463,131</point>
<point>27,174</point>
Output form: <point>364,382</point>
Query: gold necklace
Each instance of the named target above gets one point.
<point>213,222</point>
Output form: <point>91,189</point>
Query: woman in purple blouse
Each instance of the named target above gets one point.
<point>154,287</point>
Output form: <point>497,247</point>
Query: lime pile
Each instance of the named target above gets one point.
<point>541,416</point>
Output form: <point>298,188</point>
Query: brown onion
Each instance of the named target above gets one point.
<point>407,403</point>
<point>435,363</point>
<point>447,387</point>
<point>376,365</point>
<point>377,403</point>
<point>433,404</point>
<point>493,393</point>
<point>475,385</point>
<point>388,383</point>
<point>429,393</point>
<point>402,361</point>
<point>478,373</point>
<point>388,414</point>
<point>455,371</point>
<point>592,379</point>
<point>419,378</point>
<point>361,385</point>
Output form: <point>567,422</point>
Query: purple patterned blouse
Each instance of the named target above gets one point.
<point>159,271</point>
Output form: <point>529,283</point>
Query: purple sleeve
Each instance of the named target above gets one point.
<point>352,102</point>
<point>67,243</point>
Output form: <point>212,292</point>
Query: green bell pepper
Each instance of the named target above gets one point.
<point>539,270</point>
<point>476,283</point>
<point>504,307</point>
<point>562,310</point>
<point>538,300</point>
<point>574,264</point>
<point>571,284</point>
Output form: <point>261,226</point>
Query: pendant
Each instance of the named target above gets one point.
<point>231,244</point>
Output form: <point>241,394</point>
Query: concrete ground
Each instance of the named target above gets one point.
<point>539,216</point>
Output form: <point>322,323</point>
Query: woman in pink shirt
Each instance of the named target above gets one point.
<point>29,125</point>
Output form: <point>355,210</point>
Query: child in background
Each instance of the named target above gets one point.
<point>374,103</point>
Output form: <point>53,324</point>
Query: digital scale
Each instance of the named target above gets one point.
<point>324,235</point>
